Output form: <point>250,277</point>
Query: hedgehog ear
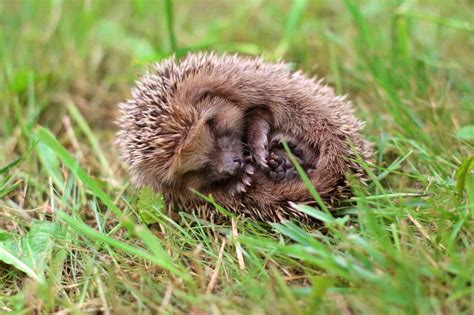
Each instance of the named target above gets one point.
<point>194,152</point>
<point>200,87</point>
<point>201,94</point>
<point>192,93</point>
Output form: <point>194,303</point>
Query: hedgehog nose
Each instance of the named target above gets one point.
<point>238,163</point>
<point>233,166</point>
<point>237,160</point>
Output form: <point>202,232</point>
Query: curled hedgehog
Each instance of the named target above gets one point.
<point>215,123</point>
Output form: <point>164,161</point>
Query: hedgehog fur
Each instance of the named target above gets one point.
<point>161,126</point>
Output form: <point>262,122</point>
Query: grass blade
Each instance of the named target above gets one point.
<point>306,180</point>
<point>294,19</point>
<point>48,138</point>
<point>84,126</point>
<point>142,232</point>
<point>170,24</point>
<point>163,261</point>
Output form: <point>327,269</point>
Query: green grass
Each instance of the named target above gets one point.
<point>72,231</point>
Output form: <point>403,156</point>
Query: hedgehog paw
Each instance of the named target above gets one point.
<point>280,167</point>
<point>277,142</point>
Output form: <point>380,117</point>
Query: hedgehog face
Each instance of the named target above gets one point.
<point>213,155</point>
<point>226,158</point>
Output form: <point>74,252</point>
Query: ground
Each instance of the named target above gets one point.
<point>76,237</point>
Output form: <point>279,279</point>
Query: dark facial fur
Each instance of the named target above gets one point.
<point>226,161</point>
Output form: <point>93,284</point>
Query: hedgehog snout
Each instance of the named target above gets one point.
<point>229,165</point>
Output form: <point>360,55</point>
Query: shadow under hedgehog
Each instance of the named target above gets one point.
<point>215,124</point>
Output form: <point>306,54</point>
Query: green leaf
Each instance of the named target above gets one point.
<point>50,163</point>
<point>31,253</point>
<point>466,133</point>
<point>149,205</point>
<point>470,189</point>
<point>4,235</point>
<point>315,213</point>
<point>461,174</point>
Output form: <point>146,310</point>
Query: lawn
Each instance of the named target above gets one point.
<point>76,237</point>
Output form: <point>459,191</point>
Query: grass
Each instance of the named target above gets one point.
<point>73,236</point>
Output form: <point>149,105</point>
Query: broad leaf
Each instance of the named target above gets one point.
<point>30,253</point>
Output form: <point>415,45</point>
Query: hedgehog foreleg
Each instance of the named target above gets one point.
<point>258,130</point>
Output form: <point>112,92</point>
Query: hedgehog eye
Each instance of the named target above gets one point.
<point>212,124</point>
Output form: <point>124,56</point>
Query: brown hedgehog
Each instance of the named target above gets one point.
<point>191,123</point>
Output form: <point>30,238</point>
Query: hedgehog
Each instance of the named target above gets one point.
<point>214,124</point>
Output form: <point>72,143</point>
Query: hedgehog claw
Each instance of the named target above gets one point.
<point>261,160</point>
<point>247,180</point>
<point>260,156</point>
<point>240,188</point>
<point>249,169</point>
